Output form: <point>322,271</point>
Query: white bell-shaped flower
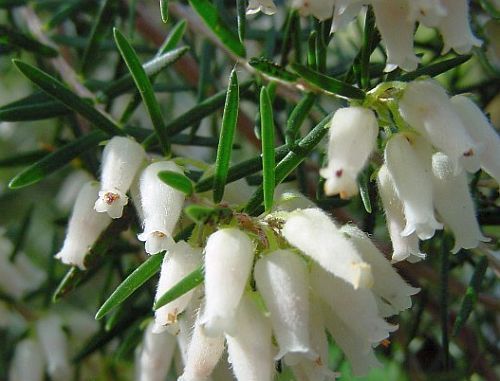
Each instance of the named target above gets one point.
<point>55,347</point>
<point>84,227</point>
<point>283,281</point>
<point>344,12</point>
<point>265,6</point>
<point>156,355</point>
<point>121,159</point>
<point>387,283</point>
<point>250,349</point>
<point>321,9</point>
<point>203,354</point>
<point>426,107</point>
<point>179,261</point>
<point>454,204</point>
<point>396,28</point>
<point>315,234</point>
<point>413,183</point>
<point>402,246</point>
<point>353,137</point>
<point>161,205</point>
<point>356,308</point>
<point>455,27</point>
<point>482,132</point>
<point>28,362</point>
<point>228,261</point>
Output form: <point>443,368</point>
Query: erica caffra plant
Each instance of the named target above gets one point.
<point>261,226</point>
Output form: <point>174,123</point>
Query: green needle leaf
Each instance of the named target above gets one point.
<point>435,69</point>
<point>22,41</point>
<point>173,38</point>
<point>135,280</point>
<point>177,180</point>
<point>268,159</point>
<point>272,69</point>
<point>164,10</point>
<point>229,119</point>
<point>145,88</point>
<point>185,285</point>
<point>60,92</point>
<point>364,191</point>
<point>36,106</point>
<point>22,159</point>
<point>241,8</point>
<point>211,18</point>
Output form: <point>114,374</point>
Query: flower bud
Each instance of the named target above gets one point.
<point>387,283</point>
<point>228,261</point>
<point>353,136</point>
<point>162,207</point>
<point>283,281</point>
<point>265,6</point>
<point>55,347</point>
<point>179,261</point>
<point>454,204</point>
<point>121,159</point>
<point>482,132</point>
<point>427,108</point>
<point>84,227</point>
<point>413,182</point>
<point>250,350</point>
<point>28,362</point>
<point>156,355</point>
<point>328,248</point>
<point>403,247</point>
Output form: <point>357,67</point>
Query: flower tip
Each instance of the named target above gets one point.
<point>156,241</point>
<point>111,202</point>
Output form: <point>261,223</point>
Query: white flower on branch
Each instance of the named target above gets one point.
<point>84,227</point>
<point>156,355</point>
<point>353,137</point>
<point>121,159</point>
<point>161,205</point>
<point>28,362</point>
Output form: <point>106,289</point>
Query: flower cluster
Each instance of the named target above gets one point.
<point>396,22</point>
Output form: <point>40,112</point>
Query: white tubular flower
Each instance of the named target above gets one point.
<point>402,247</point>
<point>283,281</point>
<point>454,204</point>
<point>228,261</point>
<point>356,308</point>
<point>162,207</point>
<point>358,350</point>
<point>387,283</point>
<point>178,262</point>
<point>344,12</point>
<point>84,227</point>
<point>202,355</point>
<point>28,362</point>
<point>156,355</point>
<point>329,248</point>
<point>265,6</point>
<point>483,133</point>
<point>121,159</point>
<point>396,28</point>
<point>250,350</point>
<point>353,136</point>
<point>426,107</point>
<point>413,183</point>
<point>321,9</point>
<point>55,347</point>
<point>455,27</point>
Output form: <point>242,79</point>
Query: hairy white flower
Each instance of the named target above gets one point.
<point>402,246</point>
<point>321,9</point>
<point>454,204</point>
<point>426,107</point>
<point>265,6</point>
<point>353,136</point>
<point>482,132</point>
<point>396,28</point>
<point>178,262</point>
<point>121,159</point>
<point>315,234</point>
<point>413,183</point>
<point>228,261</point>
<point>250,349</point>
<point>455,27</point>
<point>161,205</point>
<point>84,227</point>
<point>387,283</point>
<point>28,362</point>
<point>156,355</point>
<point>55,347</point>
<point>282,279</point>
